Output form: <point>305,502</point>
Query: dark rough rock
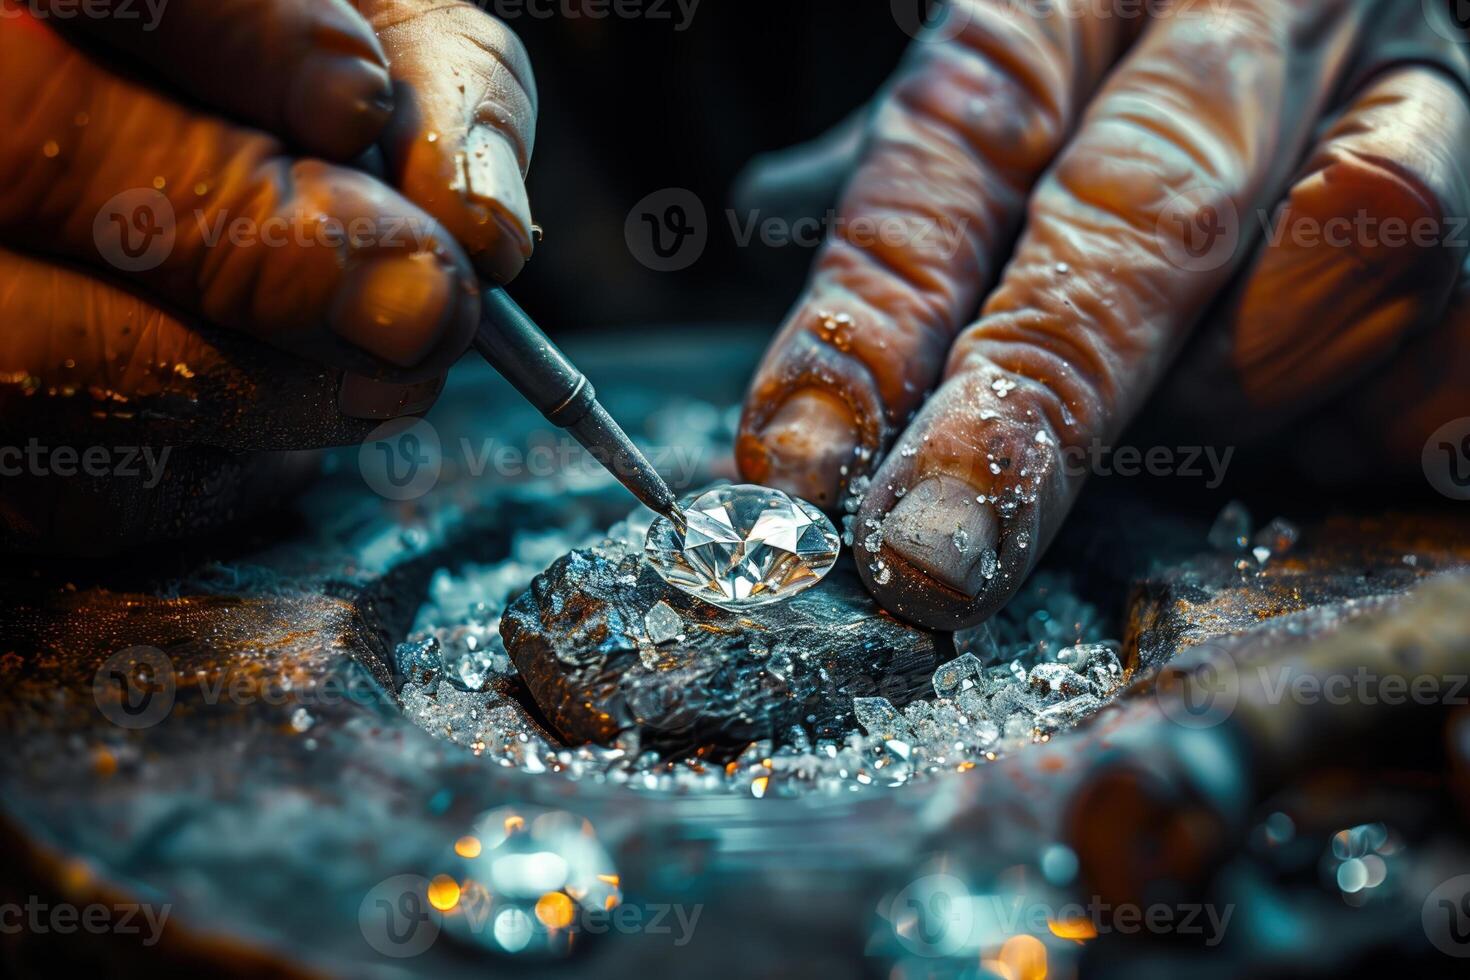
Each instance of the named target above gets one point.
<point>579,640</point>
<point>1341,568</point>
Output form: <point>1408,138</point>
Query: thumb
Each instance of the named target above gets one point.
<point>461,136</point>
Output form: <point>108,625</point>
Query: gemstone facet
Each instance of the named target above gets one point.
<point>743,546</point>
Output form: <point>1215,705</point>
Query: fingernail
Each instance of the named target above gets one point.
<point>339,103</point>
<point>942,530</point>
<point>395,306</point>
<point>493,180</point>
<point>807,443</point>
<point>361,397</point>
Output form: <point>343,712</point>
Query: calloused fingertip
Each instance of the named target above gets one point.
<point>941,528</point>
<point>807,448</point>
<point>927,553</point>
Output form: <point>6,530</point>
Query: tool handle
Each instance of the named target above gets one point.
<point>526,357</point>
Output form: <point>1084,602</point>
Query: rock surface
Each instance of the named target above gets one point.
<point>1341,568</point>
<point>580,640</point>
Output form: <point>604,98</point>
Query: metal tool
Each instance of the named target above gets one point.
<point>526,357</point>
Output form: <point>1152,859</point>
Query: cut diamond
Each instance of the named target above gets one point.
<point>743,546</point>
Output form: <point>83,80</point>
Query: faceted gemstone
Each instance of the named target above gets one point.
<point>743,546</point>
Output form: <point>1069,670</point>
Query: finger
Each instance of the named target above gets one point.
<point>460,142</point>
<point>320,260</point>
<point>310,71</point>
<point>1360,256</point>
<point>84,357</point>
<point>955,144</point>
<point>1391,430</point>
<point>1097,298</point>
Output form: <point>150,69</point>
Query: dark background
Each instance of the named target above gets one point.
<point>632,106</point>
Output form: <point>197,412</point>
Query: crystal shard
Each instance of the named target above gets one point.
<point>960,674</point>
<point>880,719</point>
<point>663,624</point>
<point>743,546</point>
<point>1232,528</point>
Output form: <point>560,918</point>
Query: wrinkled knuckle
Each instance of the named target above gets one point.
<point>1384,187</point>
<point>1065,377</point>
<point>998,88</point>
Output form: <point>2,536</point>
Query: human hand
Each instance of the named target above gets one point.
<point>1119,139</point>
<point>166,175</point>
